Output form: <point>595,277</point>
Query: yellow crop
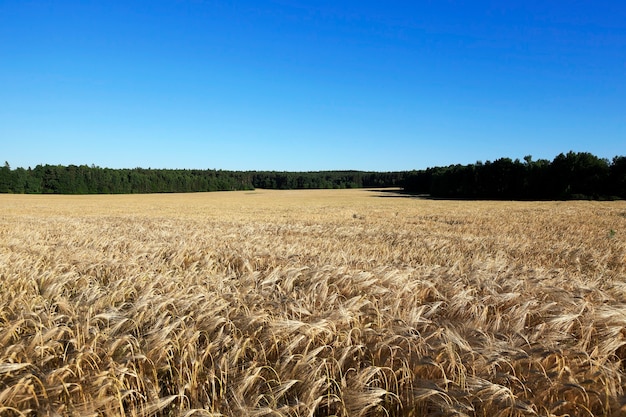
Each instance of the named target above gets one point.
<point>310,303</point>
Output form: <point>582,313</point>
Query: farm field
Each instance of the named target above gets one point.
<point>310,303</point>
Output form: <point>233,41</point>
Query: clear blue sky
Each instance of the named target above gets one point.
<point>309,85</point>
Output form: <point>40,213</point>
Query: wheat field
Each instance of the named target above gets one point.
<point>310,303</point>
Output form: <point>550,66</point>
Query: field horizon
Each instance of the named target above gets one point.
<point>357,302</point>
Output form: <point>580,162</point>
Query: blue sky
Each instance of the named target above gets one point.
<point>309,85</point>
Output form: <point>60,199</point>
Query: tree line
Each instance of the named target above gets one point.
<point>83,179</point>
<point>575,175</point>
<point>569,176</point>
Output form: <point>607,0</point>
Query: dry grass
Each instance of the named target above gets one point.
<point>310,303</point>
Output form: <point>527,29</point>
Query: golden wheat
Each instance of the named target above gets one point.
<point>311,303</point>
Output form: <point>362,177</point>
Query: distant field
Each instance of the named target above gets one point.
<point>310,303</point>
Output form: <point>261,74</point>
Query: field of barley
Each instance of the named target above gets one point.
<point>310,303</point>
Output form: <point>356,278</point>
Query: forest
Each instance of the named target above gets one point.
<point>571,176</point>
<point>83,179</point>
<point>575,175</point>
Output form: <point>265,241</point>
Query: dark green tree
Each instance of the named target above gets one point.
<point>6,179</point>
